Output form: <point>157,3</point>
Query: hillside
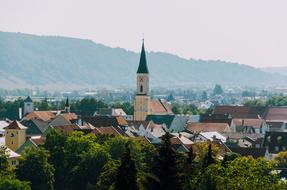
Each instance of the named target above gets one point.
<point>275,70</point>
<point>58,62</point>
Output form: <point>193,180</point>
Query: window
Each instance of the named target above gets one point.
<point>14,162</point>
<point>276,148</point>
<point>279,138</point>
<point>11,142</point>
<point>141,88</point>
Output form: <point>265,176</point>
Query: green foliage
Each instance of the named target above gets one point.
<point>247,173</point>
<point>166,168</point>
<point>87,106</point>
<point>108,176</point>
<point>34,167</point>
<point>13,184</point>
<point>217,90</point>
<point>281,159</point>
<point>208,158</point>
<point>247,93</point>
<point>126,106</point>
<point>126,178</point>
<point>10,109</point>
<point>4,164</point>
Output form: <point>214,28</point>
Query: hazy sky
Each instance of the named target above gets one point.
<point>252,32</point>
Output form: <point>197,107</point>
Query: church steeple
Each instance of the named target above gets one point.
<point>67,106</point>
<point>142,99</point>
<point>143,64</point>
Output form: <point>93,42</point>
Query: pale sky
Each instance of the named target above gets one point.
<point>252,32</point>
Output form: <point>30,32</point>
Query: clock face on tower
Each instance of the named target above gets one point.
<point>12,135</point>
<point>141,79</point>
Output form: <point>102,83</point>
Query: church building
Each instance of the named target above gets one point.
<point>143,105</point>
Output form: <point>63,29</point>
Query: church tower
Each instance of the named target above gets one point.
<point>142,100</point>
<point>28,106</point>
<point>67,106</point>
<point>15,135</point>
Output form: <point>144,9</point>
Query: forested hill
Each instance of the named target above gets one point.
<point>30,60</point>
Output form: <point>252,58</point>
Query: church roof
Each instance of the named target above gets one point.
<point>28,99</point>
<point>143,64</point>
<point>15,125</point>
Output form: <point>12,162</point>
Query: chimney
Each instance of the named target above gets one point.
<point>20,113</point>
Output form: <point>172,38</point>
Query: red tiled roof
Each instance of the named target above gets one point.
<point>106,131</point>
<point>42,115</point>
<point>239,111</point>
<point>256,123</point>
<point>159,107</point>
<point>70,116</point>
<point>67,129</point>
<point>208,127</point>
<point>276,114</point>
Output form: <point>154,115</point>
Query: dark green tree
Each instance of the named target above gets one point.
<point>208,158</point>
<point>217,90</point>
<point>126,178</point>
<point>7,183</point>
<point>55,144</point>
<point>166,165</point>
<point>34,167</point>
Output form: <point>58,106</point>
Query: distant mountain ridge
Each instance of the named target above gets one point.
<point>59,62</point>
<point>274,70</point>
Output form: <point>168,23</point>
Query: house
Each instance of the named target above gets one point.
<point>13,157</point>
<point>208,127</point>
<point>174,123</point>
<point>45,116</point>
<point>113,131</point>
<point>111,112</point>
<point>3,124</point>
<point>211,136</point>
<point>243,112</point>
<point>276,114</point>
<point>105,121</point>
<point>275,141</point>
<point>251,151</point>
<point>216,118</point>
<point>241,139</point>
<point>34,141</point>
<point>152,131</point>
<point>258,126</point>
<point>277,125</point>
<point>35,127</point>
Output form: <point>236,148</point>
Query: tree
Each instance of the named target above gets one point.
<point>208,159</point>
<point>13,184</point>
<point>55,144</point>
<point>4,164</point>
<point>90,167</point>
<point>281,159</point>
<point>126,178</point>
<point>34,167</point>
<point>217,90</point>
<point>166,165</point>
<point>204,96</point>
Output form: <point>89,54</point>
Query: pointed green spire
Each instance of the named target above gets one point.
<point>67,102</point>
<point>143,65</point>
